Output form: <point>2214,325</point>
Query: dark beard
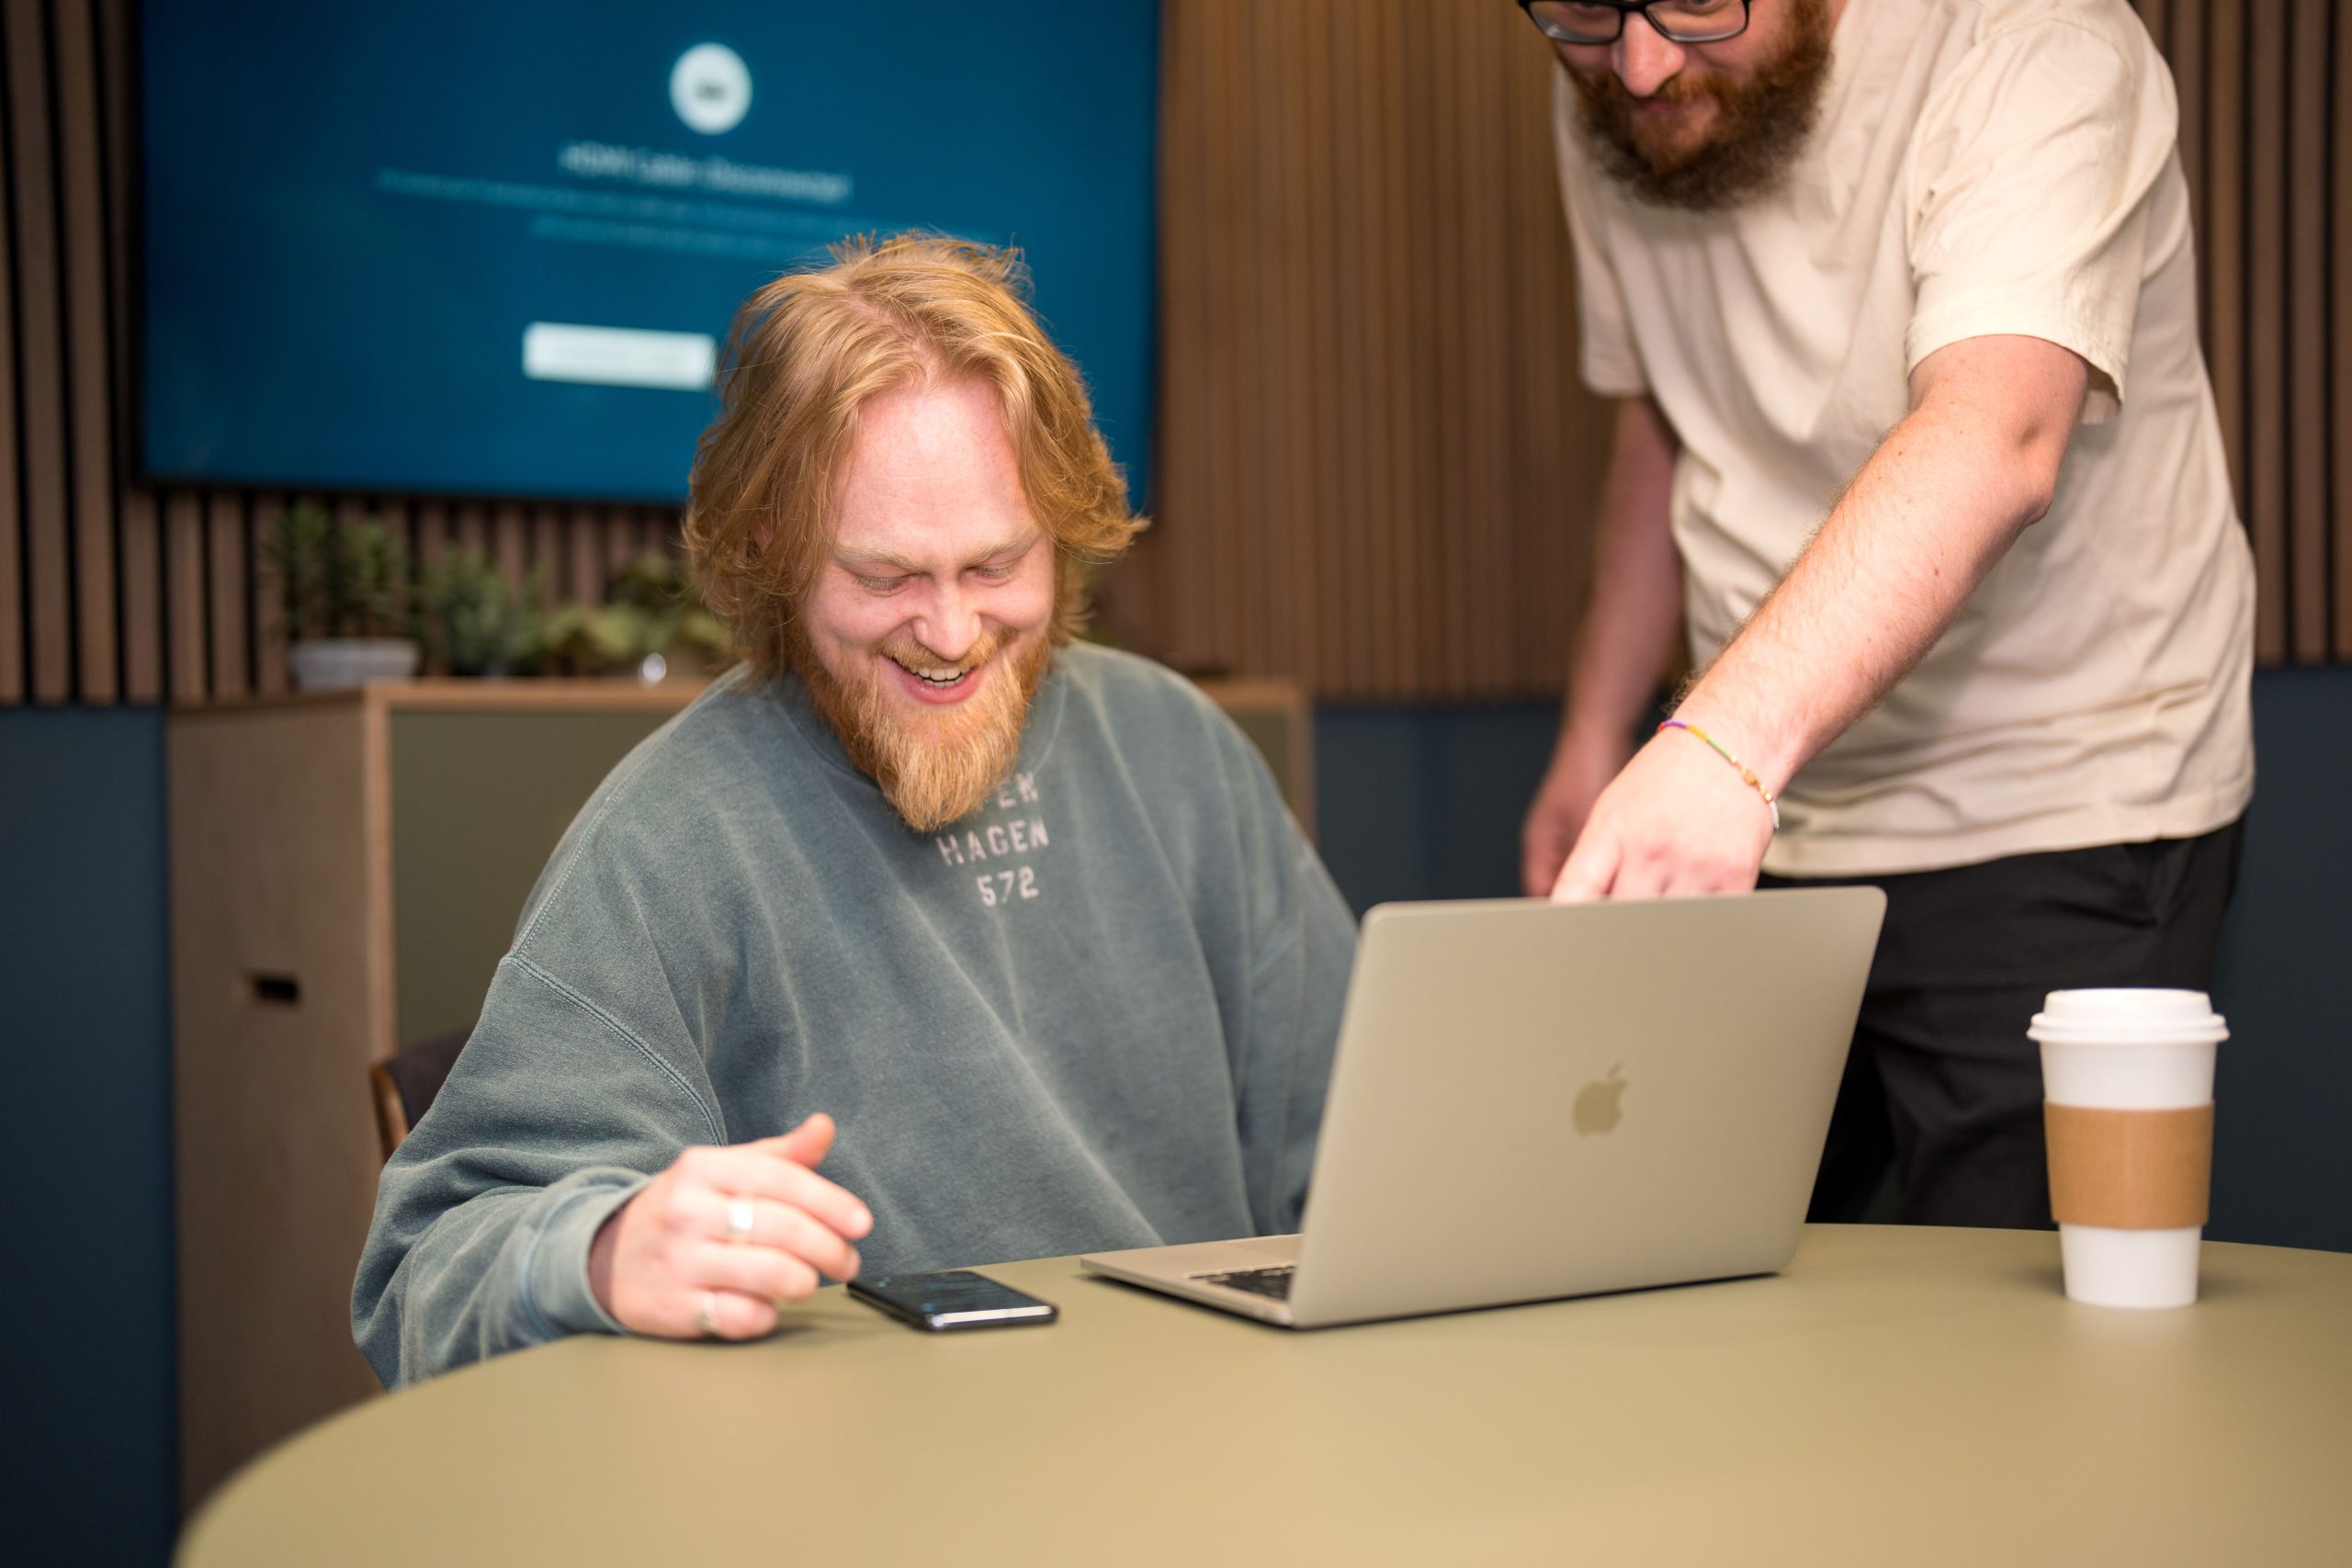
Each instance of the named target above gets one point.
<point>1761,122</point>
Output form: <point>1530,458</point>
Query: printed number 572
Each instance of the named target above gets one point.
<point>1003,886</point>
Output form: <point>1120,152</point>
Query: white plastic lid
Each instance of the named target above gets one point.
<point>2126,1016</point>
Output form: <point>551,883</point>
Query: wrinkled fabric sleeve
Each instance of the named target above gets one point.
<point>2028,208</point>
<point>1302,944</point>
<point>556,1113</point>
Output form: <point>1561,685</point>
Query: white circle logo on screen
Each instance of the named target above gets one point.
<point>711,88</point>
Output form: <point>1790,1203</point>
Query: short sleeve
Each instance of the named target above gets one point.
<point>2032,175</point>
<point>1610,364</point>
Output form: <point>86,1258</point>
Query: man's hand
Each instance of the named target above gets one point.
<point>665,1257</point>
<point>1580,770</point>
<point>1974,464</point>
<point>1679,819</point>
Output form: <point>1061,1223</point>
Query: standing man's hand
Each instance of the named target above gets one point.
<point>1679,819</point>
<point>1581,769</point>
<point>712,1246</point>
<point>1974,464</point>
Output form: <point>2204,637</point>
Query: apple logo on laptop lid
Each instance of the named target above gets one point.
<point>1597,1106</point>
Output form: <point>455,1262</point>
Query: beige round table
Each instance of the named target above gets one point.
<point>1897,1395</point>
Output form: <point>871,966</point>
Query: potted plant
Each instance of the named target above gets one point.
<point>477,625</point>
<point>344,596</point>
<point>652,623</point>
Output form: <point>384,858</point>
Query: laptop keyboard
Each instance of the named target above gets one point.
<point>1274,1281</point>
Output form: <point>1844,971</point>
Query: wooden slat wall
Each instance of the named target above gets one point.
<point>117,591</point>
<point>2266,94</point>
<point>1375,461</point>
<point>1405,517</point>
<point>1377,467</point>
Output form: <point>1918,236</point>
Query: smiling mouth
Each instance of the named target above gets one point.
<point>938,677</point>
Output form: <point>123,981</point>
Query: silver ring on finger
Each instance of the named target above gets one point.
<point>741,1216</point>
<point>706,1315</point>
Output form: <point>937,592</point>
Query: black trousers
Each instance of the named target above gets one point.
<point>1941,1083</point>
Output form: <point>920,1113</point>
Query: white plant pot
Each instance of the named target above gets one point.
<point>337,663</point>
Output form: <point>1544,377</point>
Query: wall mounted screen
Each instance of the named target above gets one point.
<point>493,249</point>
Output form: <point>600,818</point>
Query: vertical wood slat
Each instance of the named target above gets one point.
<point>47,587</point>
<point>2339,336</point>
<point>1260,238</point>
<point>1438,141</point>
<point>546,570</point>
<point>2304,375</point>
<point>510,542</point>
<point>1483,178</point>
<point>621,540</point>
<point>429,528</point>
<point>583,581</point>
<point>1396,647</point>
<point>2224,259</point>
<point>184,613</point>
<point>117,90</point>
<point>12,587</point>
<point>1228,325</point>
<point>1137,596</point>
<point>226,602</point>
<point>266,615</point>
<point>1238,140</point>
<point>2262,442</point>
<point>143,678</point>
<point>88,360</point>
<point>138,512</point>
<point>1304,368</point>
<point>1355,447</point>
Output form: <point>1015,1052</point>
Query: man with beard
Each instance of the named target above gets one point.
<point>1025,919</point>
<point>1917,442</point>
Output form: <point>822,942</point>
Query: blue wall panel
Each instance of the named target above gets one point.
<point>2282,1172</point>
<point>85,1137</point>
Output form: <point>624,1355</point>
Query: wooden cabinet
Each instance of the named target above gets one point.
<point>346,870</point>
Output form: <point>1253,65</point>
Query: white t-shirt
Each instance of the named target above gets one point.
<point>1980,167</point>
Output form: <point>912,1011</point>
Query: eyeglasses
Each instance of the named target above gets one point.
<point>1600,21</point>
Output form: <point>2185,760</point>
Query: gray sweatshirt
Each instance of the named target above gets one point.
<point>1099,1013</point>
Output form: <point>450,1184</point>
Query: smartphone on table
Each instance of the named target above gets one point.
<point>951,1299</point>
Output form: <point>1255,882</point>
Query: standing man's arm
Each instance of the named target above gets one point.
<point>1630,620</point>
<point>1970,468</point>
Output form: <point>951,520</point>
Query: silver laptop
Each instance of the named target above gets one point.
<point>1532,1100</point>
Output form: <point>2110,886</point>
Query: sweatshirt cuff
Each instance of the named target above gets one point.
<point>557,1275</point>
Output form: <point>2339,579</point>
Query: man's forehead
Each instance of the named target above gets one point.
<point>913,549</point>
<point>932,476</point>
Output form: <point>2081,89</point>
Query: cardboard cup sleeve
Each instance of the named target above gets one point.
<point>2130,1170</point>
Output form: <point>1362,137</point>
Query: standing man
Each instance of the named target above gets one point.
<point>1915,439</point>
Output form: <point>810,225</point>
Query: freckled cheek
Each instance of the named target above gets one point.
<point>852,624</point>
<point>1026,605</point>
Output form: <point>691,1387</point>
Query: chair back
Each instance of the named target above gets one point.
<point>405,1083</point>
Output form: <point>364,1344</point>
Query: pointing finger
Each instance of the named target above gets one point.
<point>1591,866</point>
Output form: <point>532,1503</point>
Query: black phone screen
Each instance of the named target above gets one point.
<point>953,1298</point>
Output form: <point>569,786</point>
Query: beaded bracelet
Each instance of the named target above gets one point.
<point>1746,772</point>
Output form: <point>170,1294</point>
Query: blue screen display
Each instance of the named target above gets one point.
<point>493,249</point>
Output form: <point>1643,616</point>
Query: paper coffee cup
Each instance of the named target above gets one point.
<point>2128,1089</point>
